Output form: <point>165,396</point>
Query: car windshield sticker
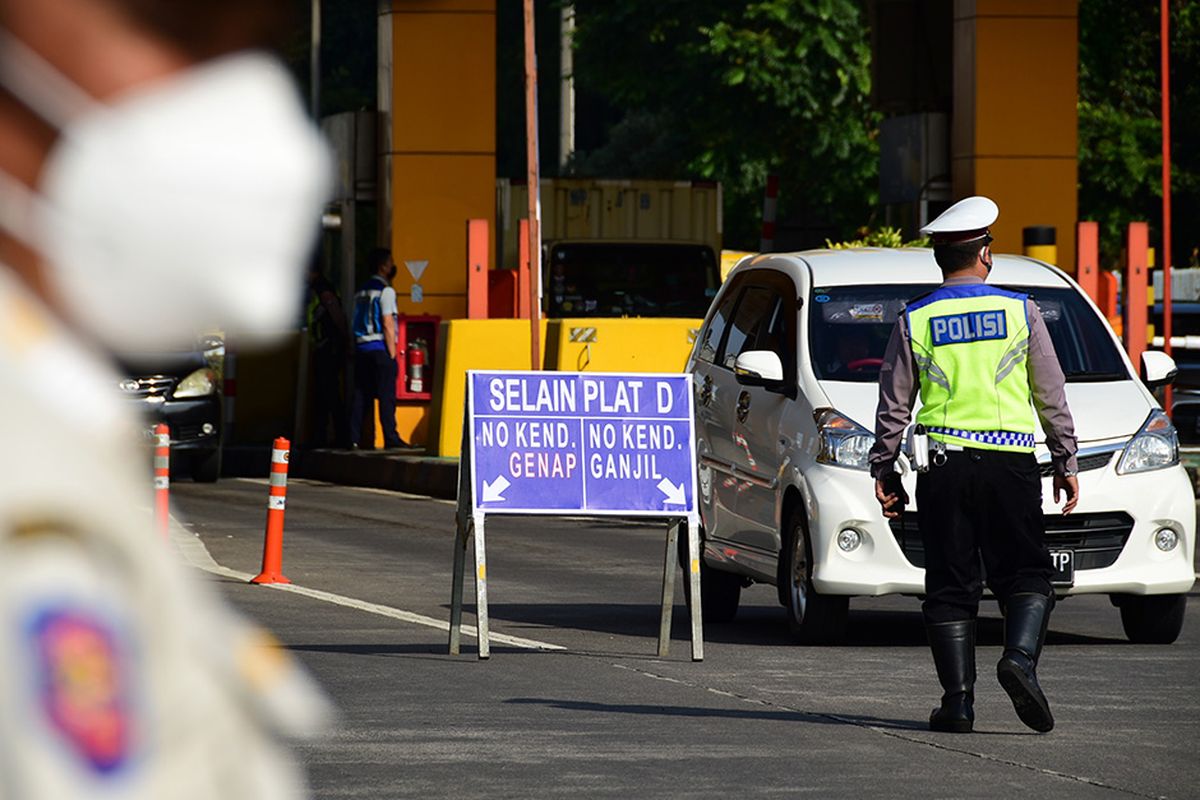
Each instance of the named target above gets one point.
<point>83,684</point>
<point>972,326</point>
<point>822,298</point>
<point>857,311</point>
<point>867,312</point>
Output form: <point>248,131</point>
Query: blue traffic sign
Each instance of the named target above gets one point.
<point>594,443</point>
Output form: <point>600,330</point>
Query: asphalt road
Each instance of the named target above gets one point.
<point>605,717</point>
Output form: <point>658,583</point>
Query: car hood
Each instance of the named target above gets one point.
<point>1102,411</point>
<point>178,364</point>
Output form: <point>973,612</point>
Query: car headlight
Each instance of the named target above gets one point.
<point>844,443</point>
<point>1155,446</point>
<point>200,383</point>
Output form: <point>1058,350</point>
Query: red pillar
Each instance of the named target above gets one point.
<point>477,269</point>
<point>523,275</point>
<point>1087,258</point>
<point>1137,243</point>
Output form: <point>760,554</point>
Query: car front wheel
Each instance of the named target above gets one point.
<point>1152,618</point>
<point>812,618</point>
<point>206,467</point>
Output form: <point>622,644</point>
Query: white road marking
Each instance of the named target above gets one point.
<point>196,554</point>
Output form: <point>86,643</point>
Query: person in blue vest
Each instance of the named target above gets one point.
<point>375,321</point>
<point>981,359</point>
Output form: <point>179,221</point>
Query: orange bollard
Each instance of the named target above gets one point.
<point>272,563</point>
<point>162,478</point>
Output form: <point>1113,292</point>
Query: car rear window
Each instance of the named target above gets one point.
<point>849,327</point>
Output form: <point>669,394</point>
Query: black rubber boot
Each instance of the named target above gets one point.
<point>953,646</point>
<point>1024,633</point>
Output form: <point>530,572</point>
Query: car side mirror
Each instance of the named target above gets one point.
<point>759,368</point>
<point>1158,369</point>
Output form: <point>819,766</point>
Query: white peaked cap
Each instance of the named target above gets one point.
<point>965,221</point>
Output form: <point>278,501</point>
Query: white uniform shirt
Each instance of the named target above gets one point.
<point>122,675</point>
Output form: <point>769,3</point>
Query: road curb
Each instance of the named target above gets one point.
<point>400,472</point>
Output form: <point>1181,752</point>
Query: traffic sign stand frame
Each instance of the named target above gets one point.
<point>470,523</point>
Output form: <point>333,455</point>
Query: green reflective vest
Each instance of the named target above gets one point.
<point>970,345</point>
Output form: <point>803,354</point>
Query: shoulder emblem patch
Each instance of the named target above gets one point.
<point>83,684</point>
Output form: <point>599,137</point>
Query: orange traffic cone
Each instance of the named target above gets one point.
<point>272,563</point>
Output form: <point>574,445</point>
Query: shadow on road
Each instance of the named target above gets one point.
<point>756,626</point>
<point>764,715</point>
<point>434,649</point>
<point>719,713</point>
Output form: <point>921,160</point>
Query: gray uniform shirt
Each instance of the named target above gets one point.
<point>899,386</point>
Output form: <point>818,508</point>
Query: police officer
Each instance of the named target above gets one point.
<point>981,360</point>
<point>148,190</point>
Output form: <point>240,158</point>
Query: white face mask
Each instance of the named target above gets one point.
<point>186,205</point>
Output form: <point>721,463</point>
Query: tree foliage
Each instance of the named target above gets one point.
<point>1120,122</point>
<point>885,236</point>
<point>735,90</point>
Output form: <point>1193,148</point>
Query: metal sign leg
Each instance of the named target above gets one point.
<point>693,525</point>
<point>462,536</point>
<point>670,562</point>
<point>481,607</point>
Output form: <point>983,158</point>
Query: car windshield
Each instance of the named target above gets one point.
<point>630,280</point>
<point>849,327</point>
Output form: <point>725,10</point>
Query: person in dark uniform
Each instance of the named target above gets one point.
<point>983,364</point>
<point>329,338</point>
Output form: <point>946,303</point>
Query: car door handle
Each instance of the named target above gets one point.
<point>743,406</point>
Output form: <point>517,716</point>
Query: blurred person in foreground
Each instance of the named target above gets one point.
<point>156,177</point>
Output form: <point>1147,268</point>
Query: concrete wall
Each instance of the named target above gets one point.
<point>437,92</point>
<point>1014,122</point>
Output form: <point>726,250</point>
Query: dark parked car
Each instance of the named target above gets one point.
<point>184,390</point>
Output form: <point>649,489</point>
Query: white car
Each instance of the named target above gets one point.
<point>785,372</point>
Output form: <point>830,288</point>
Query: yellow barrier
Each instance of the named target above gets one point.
<point>568,345</point>
<point>730,259</point>
<point>621,345</point>
<point>471,344</point>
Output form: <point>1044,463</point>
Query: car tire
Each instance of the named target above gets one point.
<point>812,618</point>
<point>206,467</point>
<point>720,591</point>
<point>1152,618</point>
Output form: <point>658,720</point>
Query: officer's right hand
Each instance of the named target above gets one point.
<point>891,496</point>
<point>1070,485</point>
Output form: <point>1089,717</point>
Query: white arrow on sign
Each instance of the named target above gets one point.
<point>675,494</point>
<point>494,492</point>
<point>416,269</point>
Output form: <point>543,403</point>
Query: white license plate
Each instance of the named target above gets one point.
<point>1064,567</point>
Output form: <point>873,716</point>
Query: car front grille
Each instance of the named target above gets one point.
<point>1097,538</point>
<point>1086,463</point>
<point>184,433</point>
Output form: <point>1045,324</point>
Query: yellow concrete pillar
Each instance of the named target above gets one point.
<point>1014,124</point>
<point>437,92</point>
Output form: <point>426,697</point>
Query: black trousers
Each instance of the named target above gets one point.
<point>328,405</point>
<point>981,505</point>
<point>374,379</point>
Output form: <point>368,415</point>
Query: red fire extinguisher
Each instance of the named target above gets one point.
<point>416,367</point>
